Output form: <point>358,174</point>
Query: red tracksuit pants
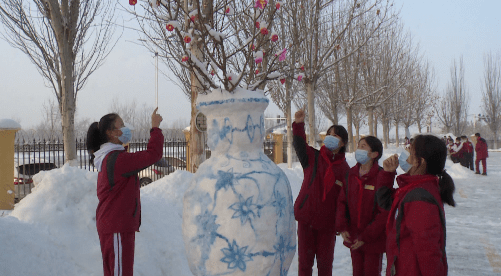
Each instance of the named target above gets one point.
<point>319,243</point>
<point>118,253</point>
<point>484,163</point>
<point>366,264</point>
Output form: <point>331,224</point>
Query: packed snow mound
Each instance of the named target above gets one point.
<point>54,230</point>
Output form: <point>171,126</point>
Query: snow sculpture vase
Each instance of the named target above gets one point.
<point>238,216</point>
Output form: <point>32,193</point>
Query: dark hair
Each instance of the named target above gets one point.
<point>96,135</point>
<point>458,138</point>
<point>477,134</point>
<point>434,152</point>
<point>375,145</point>
<point>341,132</point>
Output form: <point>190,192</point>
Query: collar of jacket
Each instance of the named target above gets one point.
<point>331,157</point>
<point>103,151</point>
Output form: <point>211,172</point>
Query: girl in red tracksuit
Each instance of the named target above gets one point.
<point>360,222</point>
<point>415,242</point>
<point>118,214</point>
<point>315,207</point>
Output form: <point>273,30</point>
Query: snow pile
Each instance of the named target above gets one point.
<point>53,230</point>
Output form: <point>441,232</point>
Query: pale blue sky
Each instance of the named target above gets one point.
<point>445,29</point>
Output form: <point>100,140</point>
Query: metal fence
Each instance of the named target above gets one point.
<point>32,156</point>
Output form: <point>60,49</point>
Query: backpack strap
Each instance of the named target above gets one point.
<point>110,168</point>
<point>418,194</point>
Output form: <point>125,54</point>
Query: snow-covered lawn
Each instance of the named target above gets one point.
<point>52,231</point>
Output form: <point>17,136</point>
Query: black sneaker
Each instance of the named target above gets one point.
<point>484,173</point>
<point>477,173</point>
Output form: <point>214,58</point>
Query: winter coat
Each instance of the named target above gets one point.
<point>119,208</point>
<point>415,243</point>
<point>357,211</point>
<point>468,147</point>
<point>458,150</point>
<point>481,149</point>
<point>310,206</point>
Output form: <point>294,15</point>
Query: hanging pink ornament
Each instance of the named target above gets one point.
<point>300,77</point>
<point>302,67</point>
<point>283,55</point>
<point>261,4</point>
<point>258,56</point>
<point>278,4</point>
<point>264,31</point>
<point>229,10</point>
<point>257,24</point>
<point>184,59</point>
<point>253,47</point>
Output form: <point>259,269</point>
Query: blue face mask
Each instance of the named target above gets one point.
<point>362,156</point>
<point>126,135</point>
<point>402,161</point>
<point>331,142</point>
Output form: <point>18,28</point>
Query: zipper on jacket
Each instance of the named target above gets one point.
<point>135,210</point>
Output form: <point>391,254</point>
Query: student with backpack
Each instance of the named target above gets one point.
<point>360,222</point>
<point>415,241</point>
<point>315,207</point>
<point>118,214</point>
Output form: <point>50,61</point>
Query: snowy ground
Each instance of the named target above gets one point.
<point>52,231</point>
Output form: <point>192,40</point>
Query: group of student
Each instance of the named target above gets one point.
<point>462,152</point>
<point>361,205</point>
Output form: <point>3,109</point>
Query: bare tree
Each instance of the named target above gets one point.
<point>67,41</point>
<point>491,93</point>
<point>458,97</point>
<point>444,111</point>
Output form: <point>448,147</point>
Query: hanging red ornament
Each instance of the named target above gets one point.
<point>170,27</point>
<point>278,4</point>
<point>302,67</point>
<point>184,59</point>
<point>132,2</point>
<point>187,39</point>
<point>274,37</point>
<point>257,24</point>
<point>282,81</point>
<point>212,72</point>
<point>257,71</point>
<point>264,31</point>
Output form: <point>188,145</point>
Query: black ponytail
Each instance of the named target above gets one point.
<point>96,135</point>
<point>434,152</point>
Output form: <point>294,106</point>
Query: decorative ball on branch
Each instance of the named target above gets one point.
<point>253,47</point>
<point>184,59</point>
<point>132,2</point>
<point>300,77</point>
<point>193,15</point>
<point>212,72</point>
<point>274,36</point>
<point>170,27</point>
<point>229,10</point>
<point>261,4</point>
<point>278,4</point>
<point>282,81</point>
<point>263,28</point>
<point>187,38</point>
<point>302,67</point>
<point>257,24</point>
<point>256,72</point>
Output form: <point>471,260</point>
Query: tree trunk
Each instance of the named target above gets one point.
<point>397,137</point>
<point>312,140</point>
<point>418,126</point>
<point>68,116</point>
<point>385,133</point>
<point>197,143</point>
<point>357,130</point>
<point>349,121</point>
<point>370,111</point>
<point>334,113</point>
<point>375,126</point>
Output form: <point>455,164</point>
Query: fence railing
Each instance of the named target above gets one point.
<point>32,156</point>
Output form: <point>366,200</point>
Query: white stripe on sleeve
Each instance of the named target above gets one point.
<point>120,254</point>
<point>115,247</point>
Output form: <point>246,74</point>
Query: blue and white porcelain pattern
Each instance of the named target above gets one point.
<point>238,216</point>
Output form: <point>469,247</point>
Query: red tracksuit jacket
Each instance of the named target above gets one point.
<point>358,213</point>
<point>119,208</point>
<point>415,243</point>
<point>309,207</point>
<point>481,149</point>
